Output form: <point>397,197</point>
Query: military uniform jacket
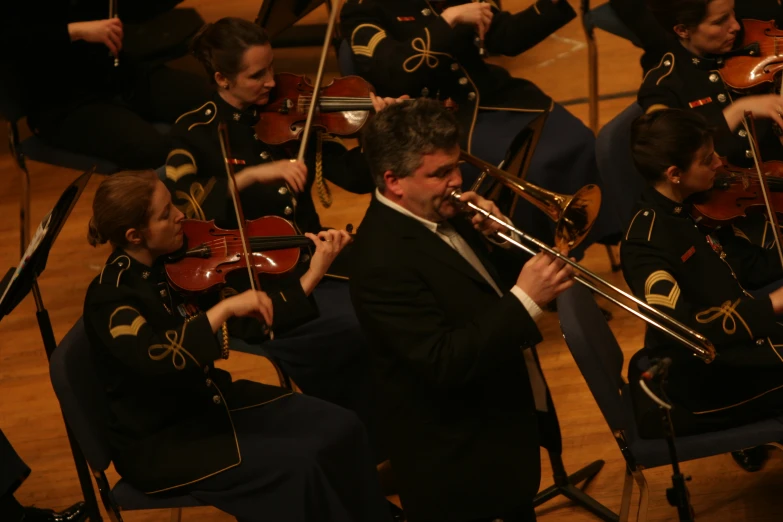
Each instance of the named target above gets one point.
<point>701,281</point>
<point>685,81</point>
<point>170,408</point>
<point>196,174</point>
<point>404,47</point>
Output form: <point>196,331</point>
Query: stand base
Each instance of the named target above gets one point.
<point>566,486</point>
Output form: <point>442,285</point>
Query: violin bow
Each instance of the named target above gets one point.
<point>247,251</point>
<point>113,14</point>
<point>318,79</point>
<point>750,127</point>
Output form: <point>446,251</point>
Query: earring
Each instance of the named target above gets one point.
<point>676,180</point>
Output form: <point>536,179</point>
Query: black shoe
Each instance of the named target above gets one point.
<point>751,459</point>
<point>397,514</point>
<point>75,513</point>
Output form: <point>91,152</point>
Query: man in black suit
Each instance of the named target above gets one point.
<point>459,390</point>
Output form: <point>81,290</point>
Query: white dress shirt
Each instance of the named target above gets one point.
<point>447,233</point>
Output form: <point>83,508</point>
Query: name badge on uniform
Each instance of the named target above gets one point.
<point>687,255</point>
<point>406,18</point>
<point>699,103</point>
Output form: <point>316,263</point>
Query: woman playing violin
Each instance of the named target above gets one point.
<point>702,280</point>
<point>178,424</point>
<point>327,357</point>
<point>689,77</point>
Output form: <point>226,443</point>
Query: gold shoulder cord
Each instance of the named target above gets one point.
<point>225,352</point>
<point>324,193</point>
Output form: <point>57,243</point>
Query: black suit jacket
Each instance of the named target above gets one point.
<point>453,385</point>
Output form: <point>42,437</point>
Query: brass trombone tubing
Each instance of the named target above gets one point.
<point>700,345</point>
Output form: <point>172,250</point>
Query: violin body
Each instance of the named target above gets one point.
<point>737,193</point>
<point>750,73</point>
<point>213,252</point>
<point>343,107</point>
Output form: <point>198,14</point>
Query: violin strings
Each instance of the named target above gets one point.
<point>256,241</point>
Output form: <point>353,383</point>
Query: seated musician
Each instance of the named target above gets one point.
<point>657,40</point>
<point>62,57</point>
<point>178,424</point>
<point>403,47</point>
<point>689,77</point>
<point>450,316</point>
<point>330,358</point>
<point>701,278</point>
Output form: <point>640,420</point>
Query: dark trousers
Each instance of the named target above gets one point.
<point>563,161</point>
<point>13,471</point>
<point>120,128</point>
<point>328,357</point>
<point>303,459</point>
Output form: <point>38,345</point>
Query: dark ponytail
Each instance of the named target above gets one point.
<point>220,46</point>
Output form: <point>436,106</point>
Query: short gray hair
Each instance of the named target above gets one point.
<point>397,137</point>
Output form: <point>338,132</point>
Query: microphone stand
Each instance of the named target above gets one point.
<point>677,495</point>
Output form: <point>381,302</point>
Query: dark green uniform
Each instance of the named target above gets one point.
<point>703,280</point>
<point>178,423</point>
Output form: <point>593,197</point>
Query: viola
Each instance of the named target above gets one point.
<point>764,42</point>
<point>213,252</point>
<point>343,107</point>
<point>737,193</point>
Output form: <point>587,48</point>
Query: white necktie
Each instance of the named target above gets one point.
<point>457,242</point>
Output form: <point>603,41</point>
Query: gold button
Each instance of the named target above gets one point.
<point>209,383</point>
<point>743,133</point>
<point>455,66</point>
<point>760,342</point>
<point>206,369</point>
<point>288,211</point>
<point>463,81</point>
<point>282,191</point>
<point>722,98</point>
<point>264,155</point>
<point>667,63</point>
<point>426,12</point>
<point>748,154</point>
<point>471,96</point>
<point>216,399</point>
<point>713,77</point>
<point>208,112</point>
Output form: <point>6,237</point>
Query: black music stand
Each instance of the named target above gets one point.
<point>20,281</point>
<point>278,17</point>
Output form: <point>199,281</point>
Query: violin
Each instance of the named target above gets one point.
<point>746,73</point>
<point>737,192</point>
<point>213,252</point>
<point>342,108</point>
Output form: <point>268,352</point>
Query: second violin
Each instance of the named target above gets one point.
<point>343,107</point>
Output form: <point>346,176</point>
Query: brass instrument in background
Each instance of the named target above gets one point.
<point>574,216</point>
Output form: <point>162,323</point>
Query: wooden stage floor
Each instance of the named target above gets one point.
<point>29,412</point>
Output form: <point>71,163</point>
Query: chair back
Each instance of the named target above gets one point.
<point>622,181</point>
<point>345,60</point>
<point>12,99</point>
<point>595,351</point>
<point>82,398</point>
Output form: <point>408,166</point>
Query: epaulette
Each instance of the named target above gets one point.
<point>641,226</point>
<point>201,116</point>
<point>664,69</point>
<point>113,270</point>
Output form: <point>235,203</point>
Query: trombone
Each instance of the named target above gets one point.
<point>574,216</point>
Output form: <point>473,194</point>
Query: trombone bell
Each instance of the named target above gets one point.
<point>573,215</point>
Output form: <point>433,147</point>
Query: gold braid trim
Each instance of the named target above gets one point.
<point>324,193</point>
<point>225,351</point>
<point>729,314</point>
